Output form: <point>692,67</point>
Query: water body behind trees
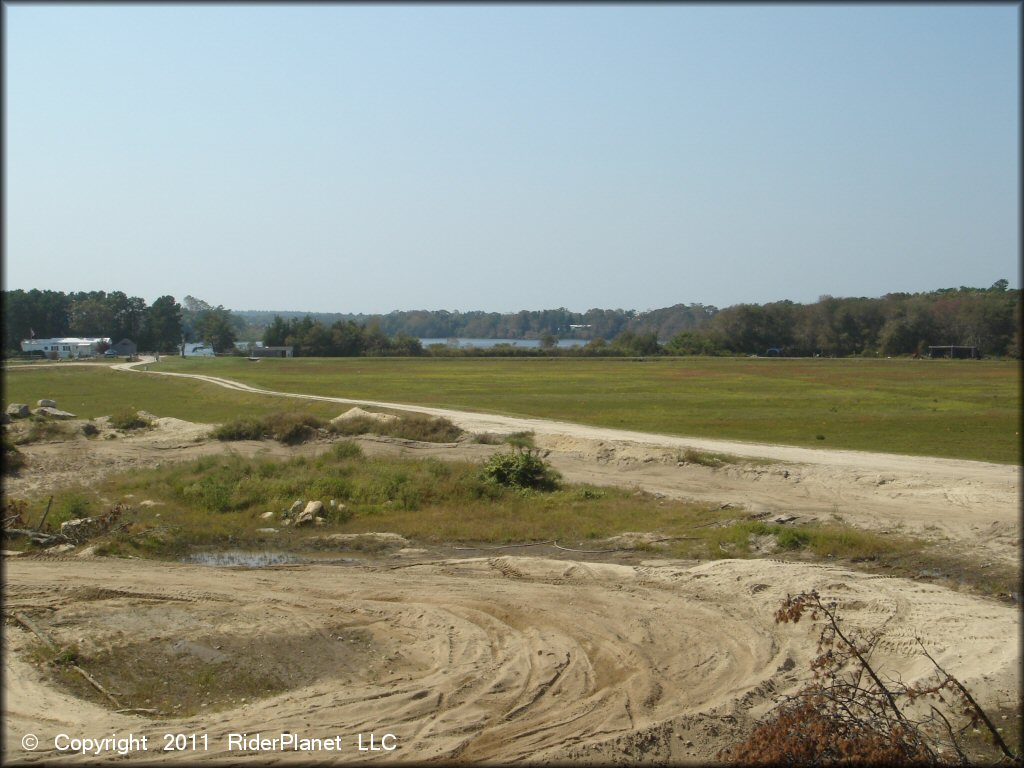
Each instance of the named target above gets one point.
<point>467,343</point>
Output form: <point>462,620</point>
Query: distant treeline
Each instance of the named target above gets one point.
<point>895,324</point>
<point>561,323</point>
<point>161,327</point>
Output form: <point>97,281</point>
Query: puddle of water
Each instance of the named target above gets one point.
<point>240,557</point>
<point>262,559</point>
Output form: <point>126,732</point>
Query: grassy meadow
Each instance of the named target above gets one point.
<point>963,409</point>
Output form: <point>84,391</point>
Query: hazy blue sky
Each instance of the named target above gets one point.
<point>359,158</point>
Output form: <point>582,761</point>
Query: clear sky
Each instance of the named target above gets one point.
<point>360,158</point>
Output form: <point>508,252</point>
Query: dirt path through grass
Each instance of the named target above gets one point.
<point>970,504</point>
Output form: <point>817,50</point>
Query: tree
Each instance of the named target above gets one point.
<point>637,343</point>
<point>690,343</point>
<point>161,326</point>
<point>91,315</point>
<point>214,326</point>
<point>405,345</point>
<point>347,339</point>
<point>275,334</point>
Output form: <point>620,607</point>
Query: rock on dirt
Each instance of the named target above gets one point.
<point>310,513</point>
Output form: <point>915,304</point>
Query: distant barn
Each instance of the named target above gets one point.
<point>955,352</point>
<point>125,348</point>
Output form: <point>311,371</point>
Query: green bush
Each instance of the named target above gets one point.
<point>241,429</point>
<point>523,468</point>
<point>792,538</point>
<point>212,493</point>
<point>520,439</point>
<point>426,429</point>
<point>293,428</point>
<point>72,505</point>
<point>128,418</point>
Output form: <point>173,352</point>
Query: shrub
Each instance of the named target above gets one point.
<point>42,428</point>
<point>14,460</point>
<point>129,418</point>
<point>293,428</point>
<point>69,506</point>
<point>792,538</point>
<point>426,429</point>
<point>416,426</point>
<point>345,450</point>
<point>520,440</point>
<point>523,468</point>
<point>692,456</point>
<point>241,429</point>
<point>849,716</point>
<point>211,493</point>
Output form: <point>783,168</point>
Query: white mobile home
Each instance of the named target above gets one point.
<point>69,347</point>
<point>196,349</point>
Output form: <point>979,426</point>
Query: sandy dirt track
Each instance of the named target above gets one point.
<point>503,658</point>
<point>513,658</point>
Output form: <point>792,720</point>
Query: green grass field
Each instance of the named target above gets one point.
<point>957,409</point>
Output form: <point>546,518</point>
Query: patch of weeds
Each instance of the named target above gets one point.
<point>90,430</point>
<point>427,429</point>
<point>792,538</point>
<point>42,428</point>
<point>128,419</point>
<point>69,505</point>
<point>242,429</point>
<point>521,439</point>
<point>346,450</point>
<point>703,458</point>
<point>293,428</point>
<point>488,438</point>
<point>66,657</point>
<point>13,459</point>
<point>411,426</point>
<point>338,514</point>
<point>214,493</point>
<point>716,460</point>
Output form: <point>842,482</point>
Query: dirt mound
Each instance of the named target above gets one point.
<point>358,413</point>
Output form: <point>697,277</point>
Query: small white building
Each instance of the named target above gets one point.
<point>196,349</point>
<point>69,347</point>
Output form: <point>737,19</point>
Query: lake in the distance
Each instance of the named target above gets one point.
<point>462,343</point>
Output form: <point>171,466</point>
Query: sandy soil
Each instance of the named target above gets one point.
<point>509,657</point>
